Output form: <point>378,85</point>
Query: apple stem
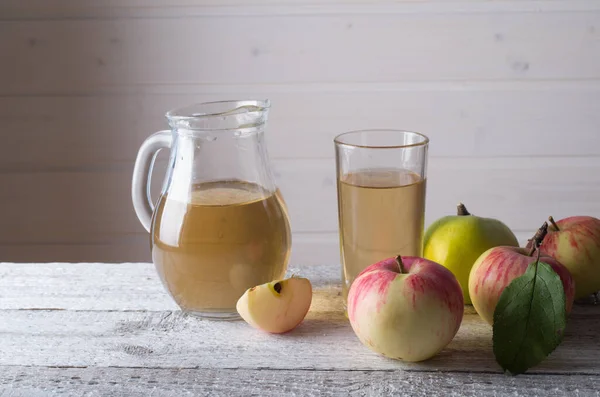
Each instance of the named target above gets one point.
<point>400,264</point>
<point>553,223</point>
<point>538,237</point>
<point>461,210</point>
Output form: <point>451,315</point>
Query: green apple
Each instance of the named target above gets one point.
<point>457,241</point>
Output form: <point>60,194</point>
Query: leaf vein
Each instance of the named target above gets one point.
<point>532,295</point>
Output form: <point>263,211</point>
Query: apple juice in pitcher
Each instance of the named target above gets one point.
<point>230,236</point>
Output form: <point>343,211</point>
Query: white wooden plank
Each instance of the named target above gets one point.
<point>82,56</point>
<point>520,191</point>
<point>100,131</point>
<point>94,207</point>
<point>87,286</point>
<point>133,248</point>
<point>324,340</point>
<point>307,249</point>
<point>89,321</point>
<point>136,382</point>
<point>37,9</point>
<point>102,286</point>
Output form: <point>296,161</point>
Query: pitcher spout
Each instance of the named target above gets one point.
<point>220,115</point>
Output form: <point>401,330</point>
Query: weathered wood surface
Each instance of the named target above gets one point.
<point>136,382</point>
<point>324,341</point>
<point>109,329</point>
<point>102,286</point>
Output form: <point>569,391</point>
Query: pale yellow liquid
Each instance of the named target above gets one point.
<point>381,215</point>
<point>229,237</point>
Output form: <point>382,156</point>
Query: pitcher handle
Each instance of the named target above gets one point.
<point>142,174</point>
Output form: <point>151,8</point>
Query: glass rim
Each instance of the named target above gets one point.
<point>338,139</point>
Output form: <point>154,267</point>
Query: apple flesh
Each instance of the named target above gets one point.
<point>278,306</point>
<point>405,308</point>
<point>496,268</point>
<point>575,242</point>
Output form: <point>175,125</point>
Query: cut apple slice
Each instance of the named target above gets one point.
<point>278,306</point>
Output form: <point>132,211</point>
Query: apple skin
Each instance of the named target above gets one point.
<point>456,241</point>
<point>497,267</point>
<point>577,246</point>
<point>409,315</point>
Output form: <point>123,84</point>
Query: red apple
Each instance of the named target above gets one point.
<point>405,308</point>
<point>575,242</point>
<point>498,267</point>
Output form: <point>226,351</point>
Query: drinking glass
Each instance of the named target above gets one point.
<point>381,180</point>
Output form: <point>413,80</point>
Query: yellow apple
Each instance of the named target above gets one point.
<point>278,306</point>
<point>457,241</point>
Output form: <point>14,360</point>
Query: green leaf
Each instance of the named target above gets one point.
<point>530,319</point>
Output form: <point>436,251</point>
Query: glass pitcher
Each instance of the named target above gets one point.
<point>220,225</point>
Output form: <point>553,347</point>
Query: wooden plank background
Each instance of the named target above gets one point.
<point>508,91</point>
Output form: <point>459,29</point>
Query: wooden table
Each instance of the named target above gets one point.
<point>110,329</point>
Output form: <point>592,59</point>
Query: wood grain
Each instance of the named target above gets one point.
<point>97,132</point>
<point>324,341</point>
<point>170,339</point>
<point>308,249</point>
<point>102,286</point>
<point>108,329</point>
<point>37,9</point>
<point>85,56</point>
<point>95,206</point>
<point>143,382</point>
